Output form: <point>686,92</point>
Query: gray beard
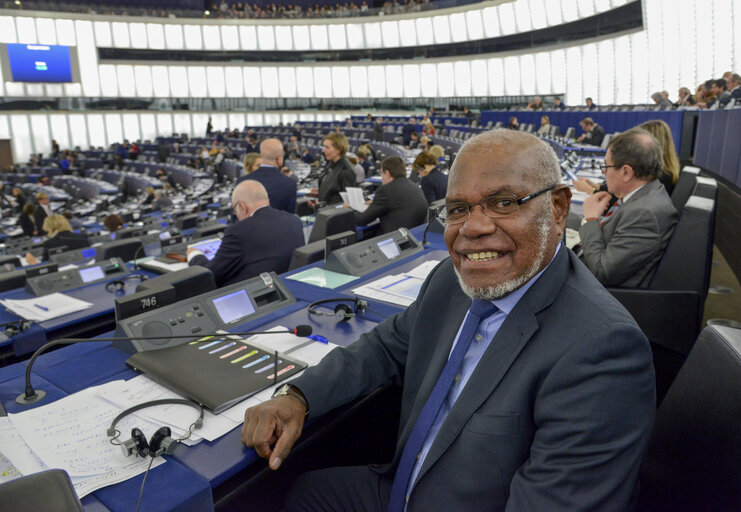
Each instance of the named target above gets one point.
<point>502,289</point>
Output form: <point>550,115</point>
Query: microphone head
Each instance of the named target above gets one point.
<point>303,331</point>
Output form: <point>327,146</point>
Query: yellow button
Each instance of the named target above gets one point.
<point>419,455</point>
<point>478,337</point>
<point>407,498</point>
<point>458,377</point>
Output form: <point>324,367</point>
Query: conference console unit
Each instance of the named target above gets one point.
<point>218,309</point>
<point>17,278</point>
<point>364,257</point>
<point>74,278</point>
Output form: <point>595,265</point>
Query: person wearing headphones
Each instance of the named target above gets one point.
<point>262,240</point>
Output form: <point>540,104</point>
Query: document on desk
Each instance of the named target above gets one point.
<point>15,448</point>
<point>400,289</point>
<point>323,278</point>
<point>45,308</point>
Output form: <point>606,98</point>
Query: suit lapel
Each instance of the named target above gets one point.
<point>514,334</point>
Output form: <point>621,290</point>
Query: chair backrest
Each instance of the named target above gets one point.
<point>50,491</point>
<point>570,133</point>
<point>706,187</point>
<point>606,140</point>
<point>331,221</point>
<point>307,254</point>
<point>693,456</point>
<point>689,254</point>
<point>684,186</point>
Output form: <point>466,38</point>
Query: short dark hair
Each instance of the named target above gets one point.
<point>640,150</point>
<point>721,82</point>
<point>395,166</point>
<point>425,158</point>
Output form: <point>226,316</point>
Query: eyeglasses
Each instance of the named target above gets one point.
<point>234,206</point>
<point>495,206</point>
<point>604,167</point>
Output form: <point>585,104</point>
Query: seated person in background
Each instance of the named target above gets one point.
<point>593,134</point>
<point>414,141</point>
<point>535,104</point>
<point>623,247</point>
<point>161,201</point>
<point>262,240</point>
<point>26,221</point>
<point>286,171</point>
<point>545,125</point>
<point>407,129</point>
<point>356,168</point>
<point>251,163</point>
<point>306,156</point>
<point>398,203</point>
<point>149,199</point>
<point>113,223</point>
<point>558,104</point>
<point>590,104</point>
<point>662,102</point>
<point>539,413</point>
<point>364,154</point>
<point>434,184</point>
<point>281,189</point>
<point>513,123</point>
<point>670,162</point>
<point>41,211</point>
<point>338,174</point>
<point>60,235</point>
<point>685,98</point>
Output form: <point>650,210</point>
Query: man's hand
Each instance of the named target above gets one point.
<point>585,185</point>
<point>190,251</point>
<point>31,259</point>
<point>277,423</point>
<point>595,204</point>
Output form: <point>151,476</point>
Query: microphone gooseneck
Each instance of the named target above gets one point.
<point>427,228</point>
<point>31,395</point>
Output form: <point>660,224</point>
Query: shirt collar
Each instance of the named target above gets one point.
<point>630,194</point>
<point>507,304</point>
<point>258,208</point>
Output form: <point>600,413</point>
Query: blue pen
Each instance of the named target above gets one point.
<point>41,307</point>
<point>316,337</point>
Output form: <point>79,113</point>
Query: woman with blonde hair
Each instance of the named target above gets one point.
<point>545,125</point>
<point>60,235</point>
<point>251,162</point>
<point>670,162</point>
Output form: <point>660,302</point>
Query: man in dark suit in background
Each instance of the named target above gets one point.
<point>281,189</point>
<point>407,129</point>
<point>624,247</point>
<point>263,239</point>
<point>593,134</point>
<point>508,402</point>
<point>398,202</point>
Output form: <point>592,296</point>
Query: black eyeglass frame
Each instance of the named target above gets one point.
<point>603,167</point>
<point>441,211</point>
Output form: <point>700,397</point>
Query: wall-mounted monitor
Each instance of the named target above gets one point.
<point>40,63</point>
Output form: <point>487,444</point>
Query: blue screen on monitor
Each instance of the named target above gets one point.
<point>40,63</point>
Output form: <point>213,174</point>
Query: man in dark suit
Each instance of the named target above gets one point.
<point>593,134</point>
<point>281,189</point>
<point>624,247</point>
<point>398,202</point>
<point>407,129</point>
<point>532,409</point>
<point>263,239</point>
<point>41,211</point>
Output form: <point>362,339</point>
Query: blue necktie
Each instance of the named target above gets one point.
<point>479,310</point>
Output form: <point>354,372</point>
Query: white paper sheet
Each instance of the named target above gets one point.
<point>45,308</point>
<point>355,199</point>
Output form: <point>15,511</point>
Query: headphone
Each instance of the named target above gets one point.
<point>14,328</point>
<point>342,312</point>
<point>119,285</point>
<point>162,442</point>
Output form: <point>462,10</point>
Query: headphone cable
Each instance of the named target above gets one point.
<point>141,490</point>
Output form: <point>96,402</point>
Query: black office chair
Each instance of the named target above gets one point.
<point>332,221</point>
<point>693,457</point>
<point>127,250</point>
<point>670,310</point>
<point>50,491</point>
<point>684,186</point>
<point>307,254</point>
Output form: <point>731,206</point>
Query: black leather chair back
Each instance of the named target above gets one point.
<point>684,186</point>
<point>693,457</point>
<point>307,254</point>
<point>50,491</point>
<point>332,221</point>
<point>127,250</point>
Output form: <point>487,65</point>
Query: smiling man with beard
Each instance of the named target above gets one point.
<point>526,386</point>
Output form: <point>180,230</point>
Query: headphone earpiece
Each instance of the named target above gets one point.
<point>162,442</point>
<point>137,445</point>
<point>342,312</point>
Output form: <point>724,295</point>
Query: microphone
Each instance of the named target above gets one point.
<point>424,234</point>
<point>30,395</point>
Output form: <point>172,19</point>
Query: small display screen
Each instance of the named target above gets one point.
<point>389,248</point>
<point>88,253</point>
<point>209,248</point>
<point>39,63</point>
<point>165,235</point>
<point>91,274</point>
<point>234,306</point>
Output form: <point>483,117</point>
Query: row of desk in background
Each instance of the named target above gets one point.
<point>196,477</point>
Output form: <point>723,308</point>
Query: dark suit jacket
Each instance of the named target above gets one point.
<point>262,243</point>
<point>27,224</point>
<point>406,132</point>
<point>556,416</point>
<point>38,216</point>
<point>281,189</point>
<point>595,136</point>
<point>434,186</point>
<point>336,178</point>
<point>69,239</point>
<point>626,250</point>
<point>398,204</point>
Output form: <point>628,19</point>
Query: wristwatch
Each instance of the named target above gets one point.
<point>588,219</point>
<point>291,390</point>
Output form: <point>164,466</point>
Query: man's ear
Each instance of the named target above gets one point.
<point>627,172</point>
<point>561,201</point>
